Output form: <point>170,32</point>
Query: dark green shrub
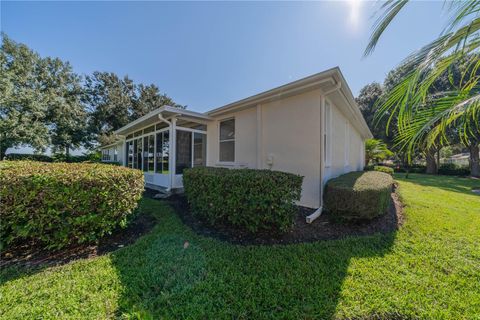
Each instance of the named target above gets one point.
<point>358,195</point>
<point>57,204</point>
<point>383,169</point>
<point>248,199</point>
<point>415,168</point>
<point>28,157</point>
<point>451,169</point>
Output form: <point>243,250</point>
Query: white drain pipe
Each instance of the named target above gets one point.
<point>310,218</point>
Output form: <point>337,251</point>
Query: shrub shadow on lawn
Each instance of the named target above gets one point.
<point>175,273</point>
<point>447,183</point>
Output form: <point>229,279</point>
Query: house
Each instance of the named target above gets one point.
<point>311,127</point>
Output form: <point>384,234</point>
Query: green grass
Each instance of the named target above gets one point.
<point>430,269</point>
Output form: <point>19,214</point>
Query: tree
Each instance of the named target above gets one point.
<point>109,101</point>
<point>376,150</point>
<point>418,122</point>
<point>367,101</point>
<point>113,102</point>
<point>149,98</point>
<point>66,114</point>
<point>23,98</point>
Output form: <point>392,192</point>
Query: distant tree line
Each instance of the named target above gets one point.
<point>44,103</point>
<point>386,127</point>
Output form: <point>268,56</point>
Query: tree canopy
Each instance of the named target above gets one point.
<point>44,103</point>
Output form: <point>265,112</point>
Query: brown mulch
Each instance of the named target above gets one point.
<point>323,228</point>
<point>31,255</point>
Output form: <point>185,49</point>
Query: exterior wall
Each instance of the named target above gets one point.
<point>344,158</point>
<point>291,141</point>
<point>111,152</point>
<point>245,139</point>
<point>282,135</point>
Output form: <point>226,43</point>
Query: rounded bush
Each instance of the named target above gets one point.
<point>358,195</point>
<point>248,199</point>
<point>58,204</point>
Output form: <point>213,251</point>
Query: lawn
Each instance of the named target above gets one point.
<point>429,269</point>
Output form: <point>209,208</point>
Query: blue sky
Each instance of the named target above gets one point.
<point>207,54</point>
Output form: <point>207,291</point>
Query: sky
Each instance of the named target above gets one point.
<point>207,54</point>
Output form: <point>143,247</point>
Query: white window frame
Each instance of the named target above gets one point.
<point>227,140</point>
<point>327,138</point>
<point>347,144</point>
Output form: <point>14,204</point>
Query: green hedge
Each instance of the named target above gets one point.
<point>91,157</point>
<point>247,199</point>
<point>383,169</point>
<point>451,169</point>
<point>57,204</point>
<point>358,195</point>
<point>28,157</point>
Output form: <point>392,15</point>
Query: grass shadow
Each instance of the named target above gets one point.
<point>175,273</point>
<point>447,183</point>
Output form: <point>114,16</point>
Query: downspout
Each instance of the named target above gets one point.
<point>318,212</point>
<point>170,125</point>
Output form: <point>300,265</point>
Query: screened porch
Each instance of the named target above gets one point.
<point>166,143</point>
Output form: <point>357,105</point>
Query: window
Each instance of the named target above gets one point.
<point>115,154</point>
<point>227,140</point>
<point>162,152</point>
<point>347,144</point>
<point>327,135</point>
<point>130,154</point>
<point>137,157</point>
<point>183,151</point>
<point>148,153</point>
<point>105,155</point>
<point>199,149</point>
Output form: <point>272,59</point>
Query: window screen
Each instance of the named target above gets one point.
<point>227,140</point>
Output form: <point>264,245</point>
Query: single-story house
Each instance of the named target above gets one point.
<point>311,127</point>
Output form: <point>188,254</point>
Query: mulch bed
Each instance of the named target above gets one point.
<point>31,255</point>
<point>323,228</point>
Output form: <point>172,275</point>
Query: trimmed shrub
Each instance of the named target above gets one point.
<point>383,169</point>
<point>28,157</point>
<point>416,168</point>
<point>58,204</point>
<point>451,169</point>
<point>358,195</point>
<point>91,157</point>
<point>248,199</point>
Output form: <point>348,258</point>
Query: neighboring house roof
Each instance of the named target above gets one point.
<point>328,80</point>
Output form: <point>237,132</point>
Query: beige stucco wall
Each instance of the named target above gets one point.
<point>354,161</point>
<point>286,131</point>
<point>245,139</point>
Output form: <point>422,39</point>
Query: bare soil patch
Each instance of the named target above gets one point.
<point>323,228</point>
<point>30,254</point>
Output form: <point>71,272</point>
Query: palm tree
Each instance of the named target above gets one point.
<point>423,119</point>
<point>376,150</point>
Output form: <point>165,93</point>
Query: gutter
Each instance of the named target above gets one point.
<point>309,219</point>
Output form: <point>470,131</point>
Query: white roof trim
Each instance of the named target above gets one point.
<point>332,75</point>
<point>289,88</point>
<point>155,112</point>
